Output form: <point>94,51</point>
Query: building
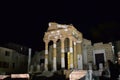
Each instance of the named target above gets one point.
<point>86,45</point>
<point>62,33</point>
<point>97,53</point>
<point>12,62</point>
<point>65,48</point>
<point>19,48</point>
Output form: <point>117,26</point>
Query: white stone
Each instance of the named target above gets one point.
<point>54,45</point>
<point>60,36</point>
<point>46,51</point>
<point>65,29</point>
<point>49,24</point>
<point>54,64</point>
<point>62,50</point>
<point>71,65</point>
<point>52,32</point>
<point>71,50</point>
<point>79,41</point>
<point>62,26</point>
<point>78,56</point>
<point>62,62</point>
<point>77,74</point>
<point>58,31</point>
<point>59,26</point>
<point>46,61</point>
<point>74,43</point>
<point>56,37</point>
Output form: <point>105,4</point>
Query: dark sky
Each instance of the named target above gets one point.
<point>25,22</point>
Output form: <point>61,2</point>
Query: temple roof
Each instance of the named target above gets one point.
<point>55,26</point>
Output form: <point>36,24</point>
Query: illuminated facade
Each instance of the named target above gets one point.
<point>62,33</point>
<point>65,48</point>
<point>86,49</point>
<point>12,61</point>
<point>97,53</point>
<point>67,41</point>
<point>103,50</point>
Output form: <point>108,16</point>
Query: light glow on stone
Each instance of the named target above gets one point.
<point>52,32</point>
<point>66,29</point>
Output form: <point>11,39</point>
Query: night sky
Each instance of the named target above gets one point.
<point>24,23</point>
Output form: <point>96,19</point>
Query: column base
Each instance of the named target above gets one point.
<point>54,70</point>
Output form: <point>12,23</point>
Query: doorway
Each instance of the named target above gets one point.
<point>99,58</point>
<point>66,61</point>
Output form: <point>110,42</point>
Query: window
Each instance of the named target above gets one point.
<point>7,53</point>
<point>13,65</point>
<point>4,64</point>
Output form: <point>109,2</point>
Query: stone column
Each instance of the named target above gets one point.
<point>38,68</point>
<point>54,56</point>
<point>31,68</point>
<point>46,55</point>
<point>79,55</point>
<point>75,56</point>
<point>71,52</point>
<point>62,54</point>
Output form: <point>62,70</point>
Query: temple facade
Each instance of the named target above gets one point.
<point>66,47</point>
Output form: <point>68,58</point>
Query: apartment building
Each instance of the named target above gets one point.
<point>12,62</point>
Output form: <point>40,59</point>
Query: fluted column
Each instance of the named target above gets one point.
<point>71,52</point>
<point>79,55</point>
<point>75,56</point>
<point>54,56</point>
<point>46,56</point>
<point>62,54</point>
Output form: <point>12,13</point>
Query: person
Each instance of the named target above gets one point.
<point>105,75</point>
<point>117,69</point>
<point>113,70</point>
